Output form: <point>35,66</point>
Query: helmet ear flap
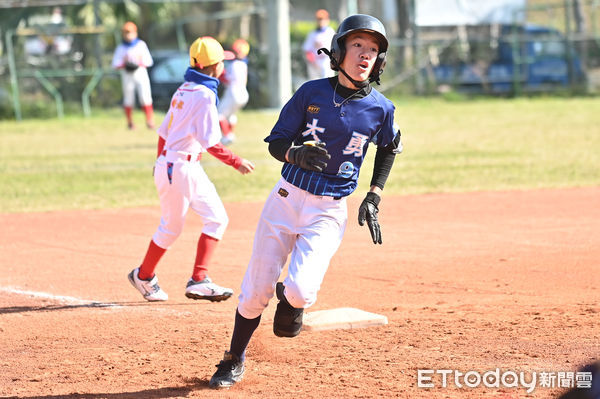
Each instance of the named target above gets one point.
<point>337,53</point>
<point>381,61</point>
<point>378,68</point>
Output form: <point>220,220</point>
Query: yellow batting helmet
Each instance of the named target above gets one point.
<point>206,51</point>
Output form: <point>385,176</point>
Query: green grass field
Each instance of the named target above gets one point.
<point>491,144</point>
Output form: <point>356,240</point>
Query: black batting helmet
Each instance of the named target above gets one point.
<point>359,23</point>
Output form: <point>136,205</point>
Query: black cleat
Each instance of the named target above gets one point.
<point>288,319</point>
<point>229,371</point>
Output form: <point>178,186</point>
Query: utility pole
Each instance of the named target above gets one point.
<point>279,58</point>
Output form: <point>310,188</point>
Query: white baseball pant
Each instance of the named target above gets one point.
<point>187,187</point>
<point>136,81</point>
<point>293,221</point>
<point>231,103</point>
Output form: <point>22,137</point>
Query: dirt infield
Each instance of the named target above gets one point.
<point>469,282</point>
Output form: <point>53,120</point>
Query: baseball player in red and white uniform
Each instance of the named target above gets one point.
<point>190,128</point>
<point>132,58</point>
<point>321,137</point>
<point>317,65</point>
<point>235,96</point>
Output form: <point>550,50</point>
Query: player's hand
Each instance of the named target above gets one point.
<point>310,156</point>
<point>246,167</point>
<point>368,211</point>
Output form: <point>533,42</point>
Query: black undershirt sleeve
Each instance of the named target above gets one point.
<point>278,148</point>
<point>384,160</point>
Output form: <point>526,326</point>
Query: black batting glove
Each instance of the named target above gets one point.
<point>309,156</point>
<point>368,211</point>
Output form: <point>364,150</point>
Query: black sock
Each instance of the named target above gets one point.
<point>242,332</point>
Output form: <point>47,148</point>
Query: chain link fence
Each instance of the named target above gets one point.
<point>554,48</point>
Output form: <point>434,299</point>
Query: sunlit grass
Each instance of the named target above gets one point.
<point>493,144</point>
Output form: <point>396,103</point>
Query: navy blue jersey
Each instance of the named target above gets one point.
<point>346,131</point>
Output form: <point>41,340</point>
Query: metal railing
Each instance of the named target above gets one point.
<point>42,76</point>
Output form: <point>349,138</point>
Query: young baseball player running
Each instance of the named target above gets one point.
<point>190,128</point>
<point>321,137</point>
<point>235,96</point>
<point>132,58</point>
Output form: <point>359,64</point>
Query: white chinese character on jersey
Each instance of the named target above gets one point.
<point>356,144</point>
<point>313,129</point>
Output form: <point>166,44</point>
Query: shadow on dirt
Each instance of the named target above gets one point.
<point>158,393</point>
<point>94,305</point>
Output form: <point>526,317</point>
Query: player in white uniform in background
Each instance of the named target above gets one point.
<point>132,58</point>
<point>190,128</point>
<point>317,65</point>
<point>321,137</point>
<point>235,96</point>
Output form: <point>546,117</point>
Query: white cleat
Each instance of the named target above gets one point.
<point>148,288</point>
<point>208,290</point>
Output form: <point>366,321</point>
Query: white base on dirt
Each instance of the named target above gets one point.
<point>341,318</point>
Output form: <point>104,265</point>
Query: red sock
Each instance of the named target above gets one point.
<point>206,247</point>
<point>128,111</point>
<point>149,110</point>
<point>225,127</point>
<point>153,255</point>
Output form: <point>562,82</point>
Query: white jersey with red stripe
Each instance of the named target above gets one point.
<point>190,127</point>
<point>192,123</point>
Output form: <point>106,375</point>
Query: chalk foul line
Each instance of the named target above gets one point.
<point>67,300</point>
